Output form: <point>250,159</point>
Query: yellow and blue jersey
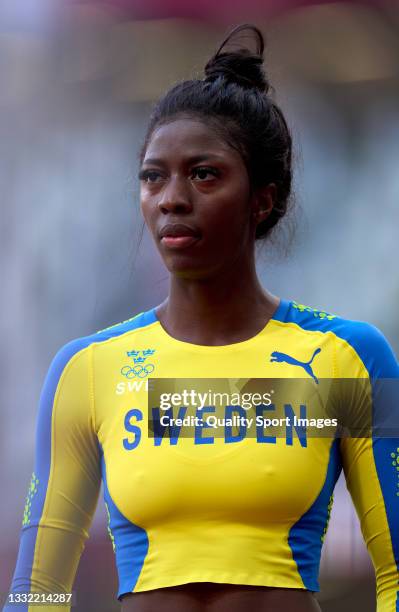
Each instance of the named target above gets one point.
<point>248,510</point>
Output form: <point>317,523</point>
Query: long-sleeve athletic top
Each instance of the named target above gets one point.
<point>238,509</point>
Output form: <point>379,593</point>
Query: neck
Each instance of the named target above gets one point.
<point>228,307</point>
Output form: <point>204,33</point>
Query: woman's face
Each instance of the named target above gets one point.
<point>196,201</point>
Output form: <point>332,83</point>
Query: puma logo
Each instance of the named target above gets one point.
<point>282,357</point>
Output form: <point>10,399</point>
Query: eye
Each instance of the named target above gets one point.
<point>149,176</point>
<point>204,173</point>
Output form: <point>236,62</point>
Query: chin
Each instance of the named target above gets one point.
<point>190,273</point>
<point>190,269</point>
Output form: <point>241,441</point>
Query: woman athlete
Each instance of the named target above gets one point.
<point>208,523</point>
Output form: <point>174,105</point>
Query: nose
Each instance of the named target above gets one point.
<point>175,197</point>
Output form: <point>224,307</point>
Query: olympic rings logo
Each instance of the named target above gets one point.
<point>137,370</point>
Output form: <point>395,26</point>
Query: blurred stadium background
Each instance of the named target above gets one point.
<point>77,83</point>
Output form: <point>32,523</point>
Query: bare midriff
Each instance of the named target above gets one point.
<point>215,597</point>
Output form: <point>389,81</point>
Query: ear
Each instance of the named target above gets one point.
<point>263,202</point>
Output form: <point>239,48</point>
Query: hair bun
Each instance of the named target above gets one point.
<point>242,66</point>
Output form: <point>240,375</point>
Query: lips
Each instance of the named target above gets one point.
<point>177,230</point>
<point>178,235</point>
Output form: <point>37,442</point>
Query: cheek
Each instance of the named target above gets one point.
<point>233,214</point>
<point>147,210</point>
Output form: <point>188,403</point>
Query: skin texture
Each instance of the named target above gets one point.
<point>190,176</point>
<point>215,297</point>
<point>213,597</point>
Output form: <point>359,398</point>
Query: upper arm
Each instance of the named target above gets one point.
<point>371,467</point>
<point>66,479</point>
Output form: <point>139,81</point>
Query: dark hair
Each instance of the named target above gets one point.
<point>234,99</point>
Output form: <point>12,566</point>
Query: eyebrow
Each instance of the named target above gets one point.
<point>194,159</point>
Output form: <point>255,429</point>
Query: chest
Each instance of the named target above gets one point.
<point>232,470</point>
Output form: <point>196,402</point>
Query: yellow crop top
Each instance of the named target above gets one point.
<point>236,509</point>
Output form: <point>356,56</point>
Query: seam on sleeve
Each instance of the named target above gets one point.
<point>91,388</point>
<point>335,368</point>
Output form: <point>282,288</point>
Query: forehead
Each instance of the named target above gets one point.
<point>188,138</point>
